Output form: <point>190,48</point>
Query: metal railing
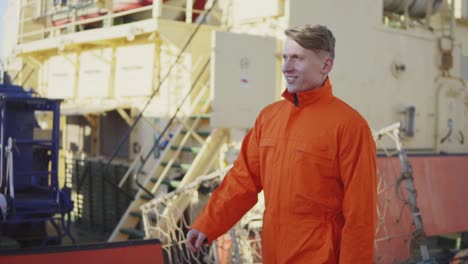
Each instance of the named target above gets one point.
<point>157,7</point>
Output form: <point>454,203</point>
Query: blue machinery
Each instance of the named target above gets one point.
<point>30,196</point>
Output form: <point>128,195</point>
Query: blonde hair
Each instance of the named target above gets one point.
<point>313,37</point>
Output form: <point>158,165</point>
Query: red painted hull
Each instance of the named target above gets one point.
<point>441,197</point>
<point>141,252</point>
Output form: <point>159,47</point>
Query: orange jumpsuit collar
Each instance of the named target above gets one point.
<point>313,96</point>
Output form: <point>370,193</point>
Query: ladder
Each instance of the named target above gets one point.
<point>191,149</point>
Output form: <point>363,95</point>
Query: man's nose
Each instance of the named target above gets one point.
<point>287,66</point>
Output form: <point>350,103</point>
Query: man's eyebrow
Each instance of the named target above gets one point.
<point>294,55</point>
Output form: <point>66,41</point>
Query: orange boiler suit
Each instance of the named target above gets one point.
<point>315,159</point>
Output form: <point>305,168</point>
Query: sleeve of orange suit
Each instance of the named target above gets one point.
<point>357,157</point>
<point>236,195</point>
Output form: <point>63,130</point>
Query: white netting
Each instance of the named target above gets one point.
<point>168,218</point>
<point>396,232</point>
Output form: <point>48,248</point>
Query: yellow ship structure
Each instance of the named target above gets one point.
<point>157,96</point>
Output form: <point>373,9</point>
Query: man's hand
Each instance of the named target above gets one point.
<point>195,240</point>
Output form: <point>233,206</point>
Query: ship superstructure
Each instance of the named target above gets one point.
<point>157,93</point>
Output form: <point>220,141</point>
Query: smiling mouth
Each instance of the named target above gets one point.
<point>290,79</point>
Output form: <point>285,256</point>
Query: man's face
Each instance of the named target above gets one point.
<point>304,69</point>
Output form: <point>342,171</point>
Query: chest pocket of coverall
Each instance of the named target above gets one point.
<point>315,178</point>
<point>267,152</point>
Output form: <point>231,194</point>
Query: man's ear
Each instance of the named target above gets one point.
<point>327,65</point>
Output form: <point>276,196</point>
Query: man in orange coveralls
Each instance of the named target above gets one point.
<point>315,159</point>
